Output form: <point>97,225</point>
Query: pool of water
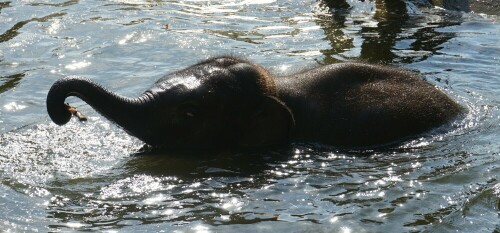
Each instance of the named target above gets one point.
<point>90,177</point>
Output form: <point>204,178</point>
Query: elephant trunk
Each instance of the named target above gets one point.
<point>128,113</point>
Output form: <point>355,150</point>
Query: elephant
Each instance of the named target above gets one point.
<point>229,102</point>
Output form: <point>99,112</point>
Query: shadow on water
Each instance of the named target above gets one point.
<point>460,5</point>
<point>246,163</point>
<point>10,81</point>
<point>390,24</point>
<point>62,4</point>
<point>206,164</point>
<point>4,5</point>
<point>162,186</point>
<point>159,187</point>
<point>430,40</point>
<point>226,188</point>
<point>14,30</point>
<point>491,7</point>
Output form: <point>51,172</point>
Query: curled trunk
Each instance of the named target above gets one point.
<point>128,113</point>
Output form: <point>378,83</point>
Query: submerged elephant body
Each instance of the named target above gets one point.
<point>360,105</point>
<point>230,102</point>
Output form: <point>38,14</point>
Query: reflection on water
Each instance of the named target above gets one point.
<point>390,17</point>
<point>389,34</point>
<point>92,176</point>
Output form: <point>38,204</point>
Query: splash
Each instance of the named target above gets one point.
<point>38,154</point>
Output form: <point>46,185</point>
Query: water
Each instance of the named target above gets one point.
<point>88,176</point>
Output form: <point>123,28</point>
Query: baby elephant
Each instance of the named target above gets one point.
<point>228,102</point>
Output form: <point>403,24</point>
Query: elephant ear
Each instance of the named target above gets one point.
<point>269,124</point>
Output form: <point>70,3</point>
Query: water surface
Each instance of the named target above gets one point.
<point>88,176</point>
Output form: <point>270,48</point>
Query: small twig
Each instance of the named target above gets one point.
<point>76,113</point>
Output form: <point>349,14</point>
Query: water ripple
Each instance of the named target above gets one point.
<point>88,177</point>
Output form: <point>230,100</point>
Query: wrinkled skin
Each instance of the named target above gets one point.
<point>228,102</point>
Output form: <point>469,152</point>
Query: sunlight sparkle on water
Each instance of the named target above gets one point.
<point>345,230</point>
<point>274,28</point>
<point>283,68</point>
<point>132,2</point>
<point>54,27</point>
<point>155,200</point>
<point>168,212</point>
<point>223,8</point>
<point>379,182</point>
<point>255,2</point>
<point>307,53</point>
<point>138,185</point>
<point>75,224</point>
<point>135,37</point>
<point>57,152</point>
<point>334,219</point>
<point>201,229</point>
<point>13,106</point>
<point>496,189</point>
<point>233,204</point>
<point>311,28</point>
<point>77,65</point>
<point>91,177</point>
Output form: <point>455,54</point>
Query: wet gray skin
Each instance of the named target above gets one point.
<point>228,102</point>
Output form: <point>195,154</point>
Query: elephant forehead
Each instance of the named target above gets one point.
<point>191,78</point>
<point>189,82</point>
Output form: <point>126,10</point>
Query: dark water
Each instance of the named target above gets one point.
<point>86,176</point>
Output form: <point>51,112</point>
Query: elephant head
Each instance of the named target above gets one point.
<point>220,102</point>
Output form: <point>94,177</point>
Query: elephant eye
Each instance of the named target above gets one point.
<point>188,110</point>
